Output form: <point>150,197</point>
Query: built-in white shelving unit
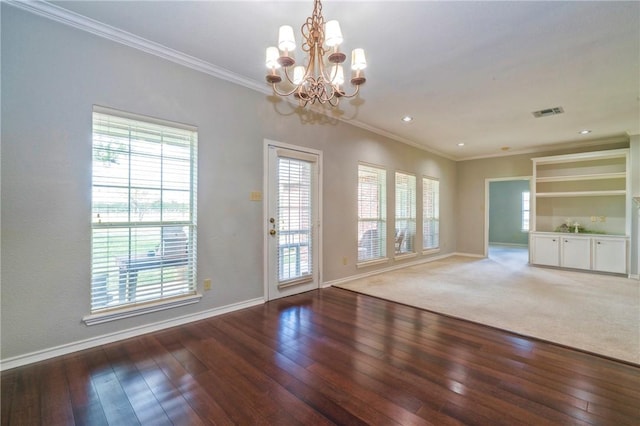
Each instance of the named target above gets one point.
<point>592,190</point>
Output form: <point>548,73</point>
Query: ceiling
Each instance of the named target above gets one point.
<point>468,72</point>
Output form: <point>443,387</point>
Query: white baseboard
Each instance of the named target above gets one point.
<point>389,269</point>
<point>480,256</point>
<point>508,244</point>
<point>68,348</point>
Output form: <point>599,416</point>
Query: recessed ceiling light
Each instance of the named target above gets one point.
<point>407,118</point>
<point>461,144</point>
<point>585,132</point>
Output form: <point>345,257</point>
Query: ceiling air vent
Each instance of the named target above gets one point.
<point>547,112</point>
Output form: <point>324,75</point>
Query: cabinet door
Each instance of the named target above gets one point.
<point>575,252</point>
<point>610,255</point>
<point>546,250</point>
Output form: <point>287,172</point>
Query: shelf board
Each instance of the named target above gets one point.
<point>580,193</point>
<point>585,156</point>
<point>569,178</point>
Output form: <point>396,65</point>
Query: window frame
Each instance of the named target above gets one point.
<point>147,156</point>
<point>432,214</point>
<point>380,242</point>
<point>406,239</point>
<point>526,212</point>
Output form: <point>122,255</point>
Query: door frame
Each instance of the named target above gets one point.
<point>487,187</point>
<point>265,209</point>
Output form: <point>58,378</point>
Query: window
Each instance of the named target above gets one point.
<point>405,213</point>
<point>525,211</point>
<point>430,213</point>
<point>372,213</point>
<point>143,210</point>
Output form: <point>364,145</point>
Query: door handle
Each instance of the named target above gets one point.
<point>272,231</point>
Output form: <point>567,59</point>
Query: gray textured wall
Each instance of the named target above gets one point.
<point>52,75</point>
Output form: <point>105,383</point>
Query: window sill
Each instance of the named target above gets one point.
<point>132,311</point>
<point>430,251</point>
<point>372,262</point>
<point>401,256</point>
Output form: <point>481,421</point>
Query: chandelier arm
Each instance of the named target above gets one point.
<point>283,94</point>
<point>355,93</point>
<point>286,74</point>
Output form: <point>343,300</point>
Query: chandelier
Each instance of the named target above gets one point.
<point>319,80</point>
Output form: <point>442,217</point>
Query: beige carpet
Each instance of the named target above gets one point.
<point>593,312</point>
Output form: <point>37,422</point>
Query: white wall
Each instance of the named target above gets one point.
<point>52,75</point>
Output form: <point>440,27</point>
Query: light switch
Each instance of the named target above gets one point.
<point>255,196</point>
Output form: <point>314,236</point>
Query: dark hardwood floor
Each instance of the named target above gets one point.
<point>324,357</point>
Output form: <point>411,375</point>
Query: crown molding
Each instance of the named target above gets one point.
<point>83,23</point>
<point>554,147</point>
<point>400,139</point>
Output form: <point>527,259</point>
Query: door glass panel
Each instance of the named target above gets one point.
<point>294,212</point>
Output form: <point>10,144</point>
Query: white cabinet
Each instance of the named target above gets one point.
<point>545,250</point>
<point>575,252</point>
<point>590,191</point>
<point>610,255</point>
<point>602,253</point>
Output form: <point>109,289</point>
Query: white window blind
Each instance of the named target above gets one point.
<point>372,213</point>
<point>525,210</point>
<point>143,211</point>
<point>430,213</point>
<point>295,219</point>
<point>405,213</point>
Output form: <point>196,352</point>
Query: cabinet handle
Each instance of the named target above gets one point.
<point>566,241</point>
<point>598,242</point>
<point>553,240</point>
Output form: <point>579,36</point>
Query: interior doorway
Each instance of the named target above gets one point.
<point>507,215</point>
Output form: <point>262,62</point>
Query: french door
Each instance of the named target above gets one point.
<point>292,221</point>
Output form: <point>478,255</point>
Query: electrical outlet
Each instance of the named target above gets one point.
<point>594,219</point>
<point>207,284</point>
<point>603,218</point>
<point>345,260</point>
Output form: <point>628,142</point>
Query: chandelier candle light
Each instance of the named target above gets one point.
<point>314,82</point>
